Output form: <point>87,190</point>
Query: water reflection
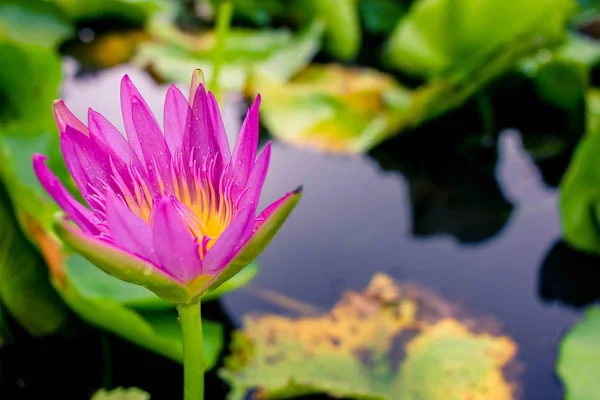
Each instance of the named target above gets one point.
<point>449,168</point>
<point>569,276</point>
<point>549,133</point>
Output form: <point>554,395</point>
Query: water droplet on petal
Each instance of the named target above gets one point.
<point>147,270</point>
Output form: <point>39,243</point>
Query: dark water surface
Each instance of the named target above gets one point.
<point>478,227</point>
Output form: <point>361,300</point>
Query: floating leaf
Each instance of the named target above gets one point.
<point>276,52</point>
<point>438,36</point>
<point>121,394</point>
<point>351,110</point>
<point>579,359</point>
<point>332,107</point>
<point>395,342</point>
<point>580,186</point>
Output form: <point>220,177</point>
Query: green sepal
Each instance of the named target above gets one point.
<point>122,265</point>
<point>257,243</point>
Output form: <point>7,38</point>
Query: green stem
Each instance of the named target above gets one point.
<point>193,351</point>
<point>224,15</point>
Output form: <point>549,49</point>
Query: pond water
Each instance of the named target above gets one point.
<point>482,230</point>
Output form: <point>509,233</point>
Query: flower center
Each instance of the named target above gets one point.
<point>206,203</point>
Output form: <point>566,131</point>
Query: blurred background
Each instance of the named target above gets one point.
<point>449,144</point>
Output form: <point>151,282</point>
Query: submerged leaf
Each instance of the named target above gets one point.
<point>390,342</point>
<point>579,359</point>
<point>121,394</point>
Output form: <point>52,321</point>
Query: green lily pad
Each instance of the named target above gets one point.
<point>121,394</point>
<point>276,52</point>
<point>579,359</point>
<point>579,188</point>
<point>438,36</point>
<point>390,342</point>
<point>157,330</point>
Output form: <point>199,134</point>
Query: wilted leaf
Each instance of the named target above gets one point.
<point>395,342</point>
<point>332,107</point>
<point>121,394</point>
<point>438,36</point>
<point>276,52</point>
<point>579,359</point>
<point>580,186</point>
<point>350,110</point>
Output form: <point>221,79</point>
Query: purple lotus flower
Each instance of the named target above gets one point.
<point>175,212</point>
